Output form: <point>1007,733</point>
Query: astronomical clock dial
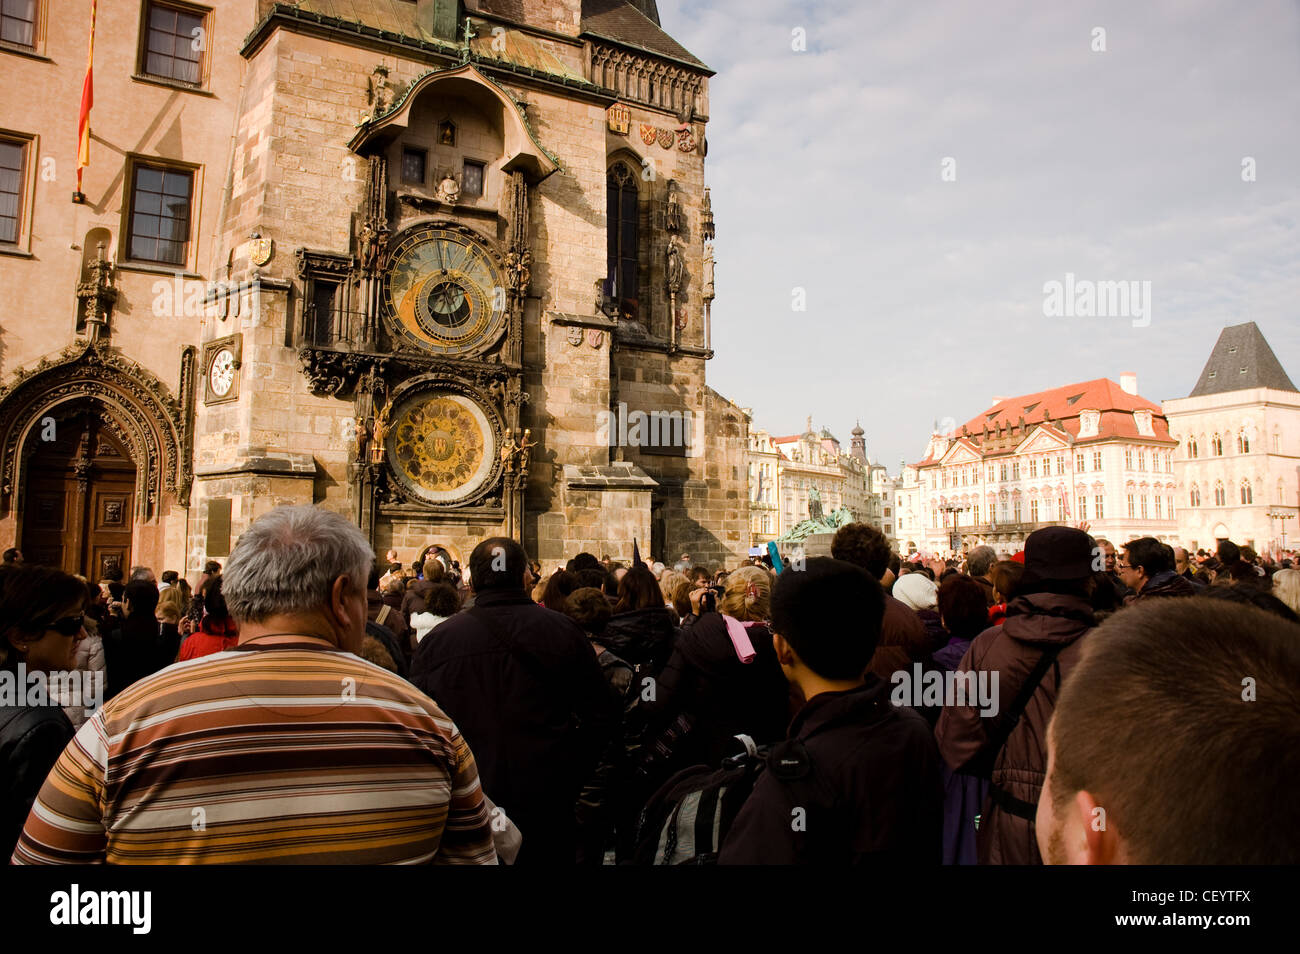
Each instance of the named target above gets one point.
<point>444,292</point>
<point>441,446</point>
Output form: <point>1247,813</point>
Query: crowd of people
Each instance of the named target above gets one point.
<point>308,704</point>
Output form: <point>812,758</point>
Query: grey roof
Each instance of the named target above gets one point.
<point>1241,359</point>
<point>627,22</point>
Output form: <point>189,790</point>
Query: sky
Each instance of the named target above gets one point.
<point>923,169</point>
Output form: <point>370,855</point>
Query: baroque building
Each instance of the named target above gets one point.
<point>443,266</point>
<point>1094,452</point>
<point>1239,447</point>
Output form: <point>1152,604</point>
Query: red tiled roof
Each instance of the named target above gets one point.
<point>1062,406</point>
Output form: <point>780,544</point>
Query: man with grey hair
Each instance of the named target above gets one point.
<point>287,748</point>
<point>979,566</point>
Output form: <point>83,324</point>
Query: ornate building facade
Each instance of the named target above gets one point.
<point>445,267</point>
<point>1093,452</point>
<point>1239,447</point>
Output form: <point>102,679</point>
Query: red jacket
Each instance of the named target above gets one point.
<point>212,637</point>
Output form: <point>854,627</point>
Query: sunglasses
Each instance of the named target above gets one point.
<point>69,625</point>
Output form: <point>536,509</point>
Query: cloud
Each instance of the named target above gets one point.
<point>925,296</point>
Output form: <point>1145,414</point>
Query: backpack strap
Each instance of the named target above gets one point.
<point>1002,732</point>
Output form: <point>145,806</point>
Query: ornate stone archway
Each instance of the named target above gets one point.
<point>137,407</point>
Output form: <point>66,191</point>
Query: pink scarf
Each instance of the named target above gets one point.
<point>739,638</point>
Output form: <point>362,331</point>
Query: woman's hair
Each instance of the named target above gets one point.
<point>681,595</point>
<point>1286,587</point>
<point>668,583</point>
<point>31,598</point>
<point>442,600</point>
<point>434,570</point>
<point>748,595</point>
<point>1006,576</point>
<point>214,604</point>
<point>174,600</point>
<point>557,590</point>
<point>963,607</point>
<point>638,590</point>
<point>588,607</point>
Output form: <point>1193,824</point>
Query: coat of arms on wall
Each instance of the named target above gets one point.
<point>666,138</point>
<point>619,118</point>
<point>574,336</point>
<point>686,140</point>
<point>595,337</point>
<point>648,134</point>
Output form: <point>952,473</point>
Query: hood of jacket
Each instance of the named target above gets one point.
<point>1042,618</point>
<point>642,635</point>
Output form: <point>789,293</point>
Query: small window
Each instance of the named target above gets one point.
<point>1242,371</point>
<point>18,22</point>
<point>174,43</point>
<point>160,214</point>
<point>471,182</point>
<point>1214,374</point>
<point>13,169</point>
<point>414,163</point>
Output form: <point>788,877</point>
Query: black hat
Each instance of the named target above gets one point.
<point>1059,553</point>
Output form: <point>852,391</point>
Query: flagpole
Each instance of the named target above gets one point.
<point>87,101</point>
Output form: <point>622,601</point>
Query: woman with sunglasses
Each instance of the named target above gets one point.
<point>41,623</point>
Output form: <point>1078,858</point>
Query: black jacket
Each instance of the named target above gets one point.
<point>136,648</point>
<point>641,636</point>
<point>31,740</point>
<point>874,794</point>
<point>535,717</point>
<point>707,683</point>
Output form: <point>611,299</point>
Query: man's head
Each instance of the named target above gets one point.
<point>301,569</point>
<point>980,561</point>
<point>588,607</point>
<point>170,577</point>
<point>1182,560</point>
<point>140,598</point>
<point>586,561</point>
<point>13,555</point>
<point>1143,559</point>
<point>1227,552</point>
<point>498,563</point>
<point>1173,740</point>
<point>1107,550</point>
<point>862,545</point>
<point>826,622</point>
<point>143,573</point>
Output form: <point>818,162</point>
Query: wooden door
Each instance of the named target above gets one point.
<point>80,499</point>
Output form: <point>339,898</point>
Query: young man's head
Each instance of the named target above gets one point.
<point>588,607</point>
<point>825,624</point>
<point>1227,552</point>
<point>1173,741</point>
<point>1143,559</point>
<point>862,545</point>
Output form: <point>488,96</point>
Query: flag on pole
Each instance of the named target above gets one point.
<point>87,101</point>
<point>636,553</point>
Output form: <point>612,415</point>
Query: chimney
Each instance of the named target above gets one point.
<point>1128,383</point>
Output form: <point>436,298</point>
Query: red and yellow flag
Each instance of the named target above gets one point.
<point>87,101</point>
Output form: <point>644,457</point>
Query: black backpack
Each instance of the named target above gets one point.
<point>688,818</point>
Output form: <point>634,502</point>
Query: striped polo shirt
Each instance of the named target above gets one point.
<point>279,752</point>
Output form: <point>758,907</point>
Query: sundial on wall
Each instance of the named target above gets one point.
<point>443,291</point>
<point>441,446</point>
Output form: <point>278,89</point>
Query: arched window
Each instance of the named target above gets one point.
<point>1246,495</point>
<point>1216,445</point>
<point>1195,498</point>
<point>1243,443</point>
<point>1220,497</point>
<point>622,238</point>
<point>1192,449</point>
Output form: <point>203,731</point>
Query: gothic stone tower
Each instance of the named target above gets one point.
<point>479,244</point>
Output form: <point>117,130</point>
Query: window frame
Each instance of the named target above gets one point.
<point>205,56</point>
<point>423,152</point>
<point>37,48</point>
<point>134,163</point>
<point>21,245</point>
<point>465,163</point>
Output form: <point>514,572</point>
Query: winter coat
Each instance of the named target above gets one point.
<point>707,685</point>
<point>642,636</point>
<point>1167,583</point>
<point>377,605</point>
<point>1034,623</point>
<point>136,648</point>
<point>31,740</point>
<point>903,640</point>
<point>415,600</point>
<point>873,795</point>
<point>522,684</point>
